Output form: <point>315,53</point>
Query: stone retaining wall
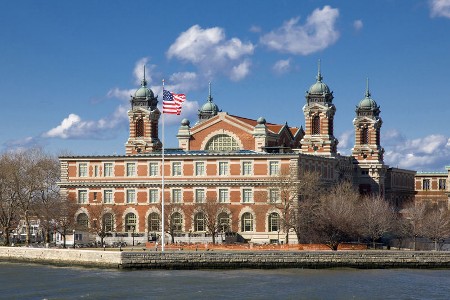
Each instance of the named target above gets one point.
<point>229,259</point>
<point>297,259</point>
<point>62,256</point>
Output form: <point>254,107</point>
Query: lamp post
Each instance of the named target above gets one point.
<point>73,231</point>
<point>278,240</point>
<point>134,227</point>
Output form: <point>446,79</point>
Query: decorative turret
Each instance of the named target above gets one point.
<point>143,117</point>
<point>319,113</point>
<point>144,97</point>
<point>367,152</point>
<point>367,130</point>
<point>209,109</point>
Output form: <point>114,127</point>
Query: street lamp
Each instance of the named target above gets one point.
<point>133,234</point>
<point>73,231</point>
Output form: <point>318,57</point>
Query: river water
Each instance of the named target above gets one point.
<point>31,281</point>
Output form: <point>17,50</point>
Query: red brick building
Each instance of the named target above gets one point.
<point>228,160</point>
<point>432,188</point>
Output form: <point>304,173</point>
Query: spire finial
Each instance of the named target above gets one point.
<point>209,95</point>
<point>144,82</point>
<point>319,75</point>
<point>367,88</point>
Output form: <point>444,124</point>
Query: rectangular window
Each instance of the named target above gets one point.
<point>223,196</point>
<point>247,168</point>
<point>223,168</point>
<point>82,197</point>
<point>274,168</point>
<point>153,196</point>
<point>82,170</point>
<point>247,196</point>
<point>426,184</point>
<point>200,195</point>
<point>131,169</point>
<point>176,168</point>
<point>108,170</point>
<point>153,169</point>
<point>176,196</point>
<point>199,168</point>
<point>274,196</point>
<point>442,184</point>
<point>108,196</point>
<point>95,171</point>
<point>131,196</point>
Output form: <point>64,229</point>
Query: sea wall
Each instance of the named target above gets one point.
<point>69,257</point>
<point>229,259</point>
<point>283,259</point>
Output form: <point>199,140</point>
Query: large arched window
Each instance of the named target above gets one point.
<point>199,222</point>
<point>247,222</point>
<point>274,222</point>
<point>153,222</point>
<point>224,222</point>
<point>222,142</point>
<point>82,221</point>
<point>176,221</point>
<point>108,222</point>
<point>364,136</point>
<point>316,125</point>
<point>130,222</point>
<point>139,127</point>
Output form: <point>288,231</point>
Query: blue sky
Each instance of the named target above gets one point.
<point>68,68</point>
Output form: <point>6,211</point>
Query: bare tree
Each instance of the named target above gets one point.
<point>64,220</point>
<point>334,217</point>
<point>375,217</point>
<point>47,195</point>
<point>436,226</point>
<point>8,197</point>
<point>102,220</point>
<point>173,221</point>
<point>412,225</point>
<point>210,209</point>
<point>303,213</point>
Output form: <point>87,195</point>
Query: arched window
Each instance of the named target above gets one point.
<point>139,127</point>
<point>222,142</point>
<point>108,222</point>
<point>316,125</point>
<point>364,136</point>
<point>199,222</point>
<point>82,221</point>
<point>224,222</point>
<point>247,222</point>
<point>153,222</point>
<point>274,222</point>
<point>176,221</point>
<point>130,222</point>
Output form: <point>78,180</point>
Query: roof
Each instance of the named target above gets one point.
<point>274,128</point>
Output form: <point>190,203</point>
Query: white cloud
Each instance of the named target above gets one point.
<point>316,34</point>
<point>208,50</point>
<point>429,153</point>
<point>440,8</point>
<point>255,29</point>
<point>282,66</point>
<point>240,71</point>
<point>358,25</point>
<point>346,142</point>
<point>73,127</point>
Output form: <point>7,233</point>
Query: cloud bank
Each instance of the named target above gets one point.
<point>316,34</point>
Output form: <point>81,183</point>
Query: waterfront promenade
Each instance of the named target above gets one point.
<point>202,259</point>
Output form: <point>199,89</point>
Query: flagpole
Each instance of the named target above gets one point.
<point>162,181</point>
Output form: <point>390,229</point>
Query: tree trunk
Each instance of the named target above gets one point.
<point>213,238</point>
<point>6,234</point>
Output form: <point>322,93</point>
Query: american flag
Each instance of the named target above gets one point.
<point>172,102</point>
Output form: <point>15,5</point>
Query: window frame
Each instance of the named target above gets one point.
<point>177,168</point>
<point>128,193</point>
<point>247,195</point>
<point>223,168</point>
<point>83,169</point>
<point>247,167</point>
<point>128,172</point>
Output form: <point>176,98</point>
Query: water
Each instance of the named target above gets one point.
<point>29,281</point>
